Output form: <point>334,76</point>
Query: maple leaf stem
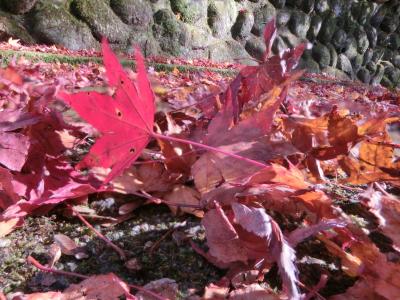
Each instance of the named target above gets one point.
<point>157,200</point>
<point>209,148</point>
<point>38,265</point>
<point>117,249</point>
<point>314,291</point>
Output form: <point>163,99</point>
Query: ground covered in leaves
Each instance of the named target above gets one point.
<point>262,185</point>
<point>158,248</point>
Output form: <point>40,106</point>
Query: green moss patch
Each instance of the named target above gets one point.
<point>7,55</point>
<point>182,7</point>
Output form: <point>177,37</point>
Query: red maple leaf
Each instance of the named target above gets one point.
<point>271,71</point>
<point>46,178</point>
<point>124,119</point>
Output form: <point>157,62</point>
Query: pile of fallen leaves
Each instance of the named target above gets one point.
<point>254,157</point>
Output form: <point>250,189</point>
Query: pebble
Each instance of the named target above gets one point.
<point>5,243</point>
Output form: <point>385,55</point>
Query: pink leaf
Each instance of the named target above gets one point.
<point>7,193</point>
<point>387,211</point>
<point>222,238</point>
<point>7,226</point>
<point>14,119</point>
<point>253,292</point>
<point>254,220</point>
<point>257,221</point>
<point>291,57</point>
<point>13,150</point>
<point>100,287</point>
<point>300,234</point>
<point>269,36</point>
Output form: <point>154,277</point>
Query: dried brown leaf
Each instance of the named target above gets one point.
<point>182,195</point>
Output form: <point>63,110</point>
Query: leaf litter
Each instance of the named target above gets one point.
<point>254,158</point>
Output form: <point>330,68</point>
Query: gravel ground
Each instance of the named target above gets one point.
<point>151,239</point>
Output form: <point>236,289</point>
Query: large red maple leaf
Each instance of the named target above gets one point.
<point>124,119</point>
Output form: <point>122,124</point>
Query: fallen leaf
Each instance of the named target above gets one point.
<point>100,287</point>
<point>13,150</point>
<point>7,193</point>
<point>300,234</point>
<point>6,226</point>
<point>14,42</point>
<point>222,237</point>
<point>182,195</point>
<point>257,221</point>
<point>12,75</point>
<point>164,287</point>
<point>351,265</point>
<point>54,254</point>
<point>253,292</point>
<point>387,210</point>
<point>218,291</point>
<point>376,282</point>
<point>124,119</point>
<point>66,244</point>
<point>248,234</point>
<point>41,296</point>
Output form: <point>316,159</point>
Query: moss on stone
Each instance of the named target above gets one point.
<point>53,24</point>
<point>18,7</point>
<point>101,19</point>
<point>165,18</point>
<point>137,13</point>
<point>11,27</point>
<point>169,32</point>
<point>212,14</point>
<point>181,7</point>
<point>43,4</point>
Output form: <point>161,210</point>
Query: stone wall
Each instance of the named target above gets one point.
<point>359,38</point>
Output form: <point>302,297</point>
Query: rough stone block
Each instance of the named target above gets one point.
<point>101,19</point>
<point>320,54</point>
<point>243,25</point>
<point>53,25</point>
<point>137,13</point>
<point>299,24</point>
<point>262,16</point>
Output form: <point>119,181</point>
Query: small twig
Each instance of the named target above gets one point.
<point>379,187</point>
<point>314,291</point>
<point>143,194</point>
<point>38,265</point>
<point>158,242</point>
<point>99,234</point>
